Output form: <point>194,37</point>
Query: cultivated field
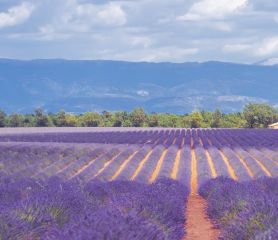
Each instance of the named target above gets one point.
<point>112,179</point>
<point>189,156</point>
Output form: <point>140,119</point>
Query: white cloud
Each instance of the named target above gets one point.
<point>72,18</point>
<point>16,15</point>
<point>47,29</point>
<point>269,46</point>
<point>222,26</point>
<point>127,52</point>
<point>143,93</point>
<point>236,47</point>
<point>75,17</point>
<point>168,53</point>
<point>213,9</point>
<point>270,62</point>
<point>110,14</point>
<point>145,30</point>
<point>238,98</point>
<point>140,41</point>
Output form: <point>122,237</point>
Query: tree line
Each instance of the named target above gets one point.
<point>254,115</point>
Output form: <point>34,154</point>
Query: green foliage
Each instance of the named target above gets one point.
<point>196,120</point>
<point>60,119</point>
<point>255,223</point>
<point>127,123</point>
<point>138,117</point>
<point>71,120</point>
<point>2,118</point>
<point>15,120</point>
<point>107,119</point>
<point>254,115</point>
<point>153,120</point>
<point>63,119</point>
<point>119,119</point>
<point>233,120</point>
<point>258,115</point>
<point>41,119</point>
<point>216,119</point>
<point>91,119</point>
<point>163,120</point>
<point>28,120</point>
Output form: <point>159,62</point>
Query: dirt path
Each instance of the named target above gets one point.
<point>199,226</point>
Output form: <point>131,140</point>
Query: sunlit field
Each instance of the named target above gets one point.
<point>134,183</point>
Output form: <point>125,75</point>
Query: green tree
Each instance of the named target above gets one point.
<point>15,120</point>
<point>163,120</point>
<point>195,120</point>
<point>2,119</point>
<point>254,115</point>
<point>216,119</point>
<point>71,120</point>
<point>185,121</point>
<point>60,119</point>
<point>107,118</point>
<point>91,119</point>
<point>28,120</point>
<point>138,117</point>
<point>127,123</point>
<point>233,120</point>
<point>153,120</point>
<point>119,118</point>
<point>207,119</point>
<point>41,120</point>
<point>173,119</point>
<point>259,115</point>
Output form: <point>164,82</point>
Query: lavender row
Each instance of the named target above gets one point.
<point>108,172</point>
<point>150,165</point>
<point>26,157</point>
<point>119,137</point>
<point>53,209</point>
<point>219,164</point>
<point>243,210</point>
<point>59,166</point>
<point>168,163</point>
<point>93,169</point>
<point>203,168</point>
<point>73,169</point>
<point>133,164</point>
<point>184,170</point>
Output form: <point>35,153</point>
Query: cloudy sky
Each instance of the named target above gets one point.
<point>140,30</point>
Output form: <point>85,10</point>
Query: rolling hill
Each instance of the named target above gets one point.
<point>78,86</point>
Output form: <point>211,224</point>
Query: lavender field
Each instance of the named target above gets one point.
<point>93,183</point>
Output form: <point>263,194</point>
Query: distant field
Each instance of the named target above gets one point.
<point>144,155</point>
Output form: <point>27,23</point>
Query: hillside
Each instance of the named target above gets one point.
<point>79,86</point>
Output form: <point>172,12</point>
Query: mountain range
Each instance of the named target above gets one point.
<point>93,85</point>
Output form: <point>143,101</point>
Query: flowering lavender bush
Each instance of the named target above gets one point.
<point>246,210</point>
<point>68,196</point>
<point>53,209</point>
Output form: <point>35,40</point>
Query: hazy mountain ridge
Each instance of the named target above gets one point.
<point>269,62</point>
<point>79,86</point>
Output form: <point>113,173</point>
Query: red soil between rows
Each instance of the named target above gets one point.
<point>199,226</point>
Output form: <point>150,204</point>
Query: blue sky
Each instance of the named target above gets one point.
<point>140,30</point>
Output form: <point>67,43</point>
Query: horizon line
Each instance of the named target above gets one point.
<point>130,61</point>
